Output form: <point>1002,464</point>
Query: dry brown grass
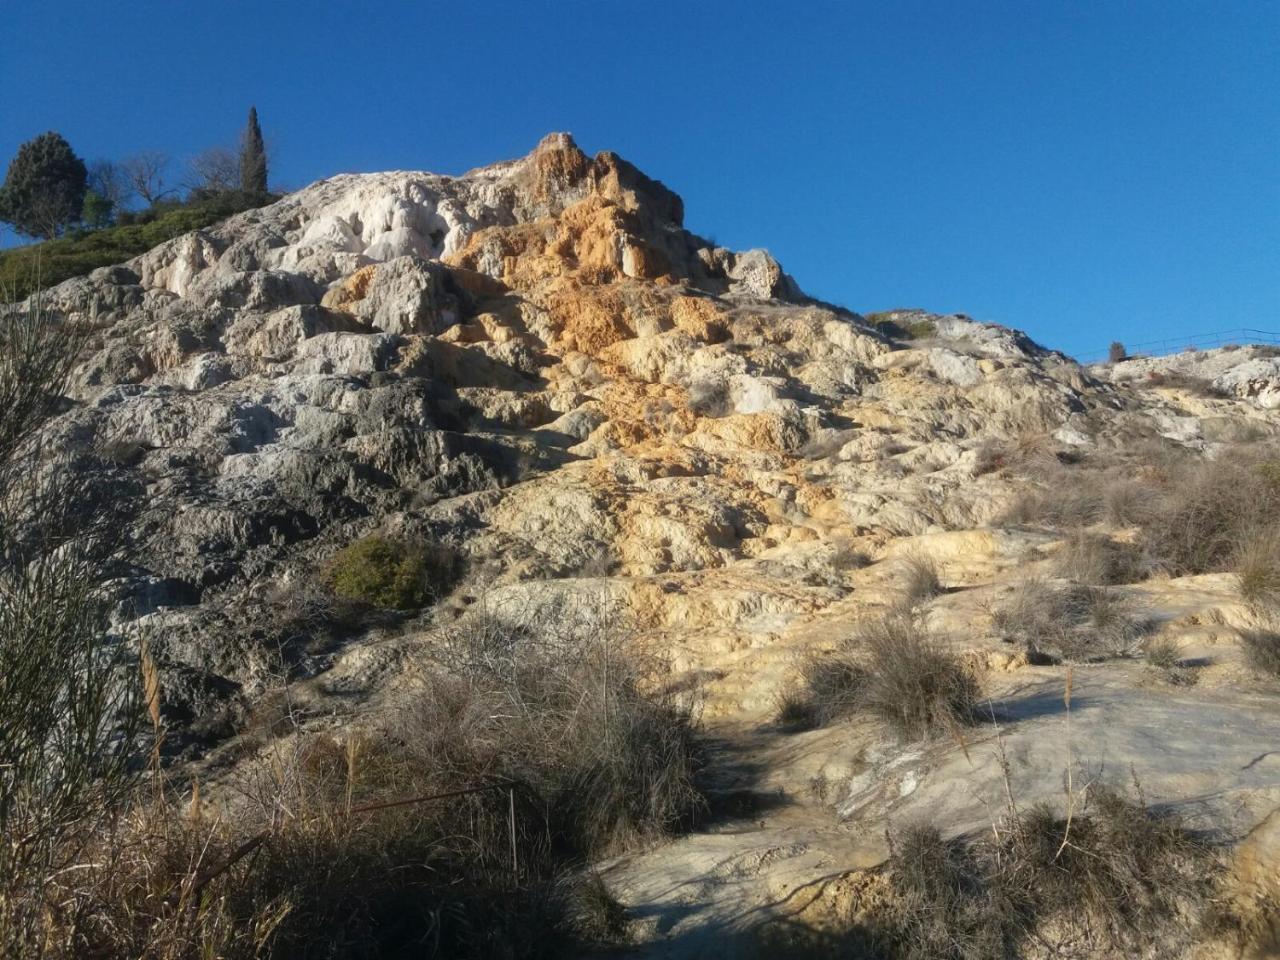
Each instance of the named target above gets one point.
<point>1068,622</point>
<point>1186,382</point>
<point>1096,559</point>
<point>453,830</point>
<point>1209,508</point>
<point>1257,564</point>
<point>827,688</point>
<point>1163,653</point>
<point>1262,650</point>
<point>1118,879</point>
<point>921,581</point>
<point>1193,513</point>
<point>892,669</point>
<point>914,683</point>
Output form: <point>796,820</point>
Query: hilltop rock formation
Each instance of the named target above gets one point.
<point>537,365</point>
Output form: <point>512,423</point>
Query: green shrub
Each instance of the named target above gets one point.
<point>893,324</point>
<point>394,574</point>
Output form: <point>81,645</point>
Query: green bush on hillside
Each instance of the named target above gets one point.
<point>888,322</point>
<point>23,270</point>
<point>394,574</point>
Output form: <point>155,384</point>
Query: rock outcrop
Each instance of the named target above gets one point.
<point>536,364</point>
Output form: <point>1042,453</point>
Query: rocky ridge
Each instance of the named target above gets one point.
<point>536,364</point>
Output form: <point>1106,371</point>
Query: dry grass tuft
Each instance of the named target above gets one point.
<point>591,912</point>
<point>827,688</point>
<point>1257,563</point>
<point>849,557</point>
<point>913,682</point>
<point>989,456</point>
<point>1207,509</point>
<point>1163,653</point>
<point>1068,622</point>
<point>1186,382</point>
<point>892,669</point>
<point>1117,879</point>
<point>794,710</point>
<point>1262,650</point>
<point>1095,559</point>
<point>920,582</point>
<point>1193,513</point>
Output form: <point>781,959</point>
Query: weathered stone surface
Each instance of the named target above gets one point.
<point>535,364</point>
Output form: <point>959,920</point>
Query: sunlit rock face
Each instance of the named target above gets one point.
<point>536,364</point>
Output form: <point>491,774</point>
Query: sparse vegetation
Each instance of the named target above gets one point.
<point>1163,653</point>
<point>590,911</point>
<point>1186,382</point>
<point>69,709</point>
<point>893,669</point>
<point>902,325</point>
<point>914,683</point>
<point>1117,877</point>
<point>710,398</point>
<point>1193,513</point>
<point>988,457</point>
<point>1262,650</point>
<point>1096,559</point>
<point>452,830</point>
<point>828,687</point>
<point>23,270</point>
<point>921,581</point>
<point>1068,622</point>
<point>1208,509</point>
<point>849,557</point>
<point>393,574</point>
<point>1257,563</point>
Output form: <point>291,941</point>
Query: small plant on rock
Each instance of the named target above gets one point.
<point>1163,653</point>
<point>913,681</point>
<point>921,581</point>
<point>1262,650</point>
<point>394,574</point>
<point>1258,569</point>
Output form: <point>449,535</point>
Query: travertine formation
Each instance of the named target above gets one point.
<point>538,365</point>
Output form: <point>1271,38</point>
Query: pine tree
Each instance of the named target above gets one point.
<point>253,157</point>
<point>43,192</point>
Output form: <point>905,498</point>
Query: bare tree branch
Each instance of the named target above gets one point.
<point>108,180</point>
<point>145,174</point>
<point>213,170</point>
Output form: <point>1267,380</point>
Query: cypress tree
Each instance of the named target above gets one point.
<point>253,157</point>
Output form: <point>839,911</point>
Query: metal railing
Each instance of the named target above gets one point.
<point>1243,336</point>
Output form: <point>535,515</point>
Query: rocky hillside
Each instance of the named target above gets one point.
<point>536,370</point>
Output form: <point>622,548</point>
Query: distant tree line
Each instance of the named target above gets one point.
<point>49,190</point>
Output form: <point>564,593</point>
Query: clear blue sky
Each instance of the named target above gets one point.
<point>1082,170</point>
